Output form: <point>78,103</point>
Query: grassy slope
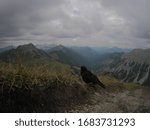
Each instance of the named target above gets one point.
<point>48,88</point>
<point>52,87</point>
<point>114,83</point>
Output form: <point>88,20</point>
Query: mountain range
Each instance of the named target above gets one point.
<point>6,48</point>
<point>129,66</point>
<point>24,54</point>
<point>66,55</point>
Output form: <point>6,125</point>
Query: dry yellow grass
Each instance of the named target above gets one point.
<point>47,88</point>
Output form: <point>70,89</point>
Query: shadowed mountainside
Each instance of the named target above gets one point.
<point>24,54</point>
<point>66,55</point>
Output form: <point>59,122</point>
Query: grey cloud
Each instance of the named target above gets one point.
<point>24,17</point>
<point>120,23</point>
<point>18,16</point>
<point>136,13</point>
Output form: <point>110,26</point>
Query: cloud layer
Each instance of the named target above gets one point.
<point>122,23</point>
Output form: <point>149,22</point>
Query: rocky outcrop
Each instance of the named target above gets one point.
<point>135,67</point>
<point>134,72</point>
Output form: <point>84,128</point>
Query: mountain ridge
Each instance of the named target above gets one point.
<point>24,53</point>
<point>66,55</point>
<point>135,67</point>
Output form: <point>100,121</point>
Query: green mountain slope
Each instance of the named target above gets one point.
<point>24,54</point>
<point>66,55</point>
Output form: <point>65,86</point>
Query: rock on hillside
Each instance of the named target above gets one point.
<point>135,67</point>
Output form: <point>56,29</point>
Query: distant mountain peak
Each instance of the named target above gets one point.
<point>59,48</point>
<point>24,53</point>
<point>30,45</point>
<point>27,48</point>
<point>7,48</point>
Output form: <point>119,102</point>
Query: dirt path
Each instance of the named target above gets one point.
<point>123,101</point>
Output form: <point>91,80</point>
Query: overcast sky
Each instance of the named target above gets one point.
<point>120,23</point>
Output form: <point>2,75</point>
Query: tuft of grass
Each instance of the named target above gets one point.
<point>47,88</point>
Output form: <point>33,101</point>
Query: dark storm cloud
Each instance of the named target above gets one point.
<point>121,23</point>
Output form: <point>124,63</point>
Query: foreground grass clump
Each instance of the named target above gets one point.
<point>50,88</point>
